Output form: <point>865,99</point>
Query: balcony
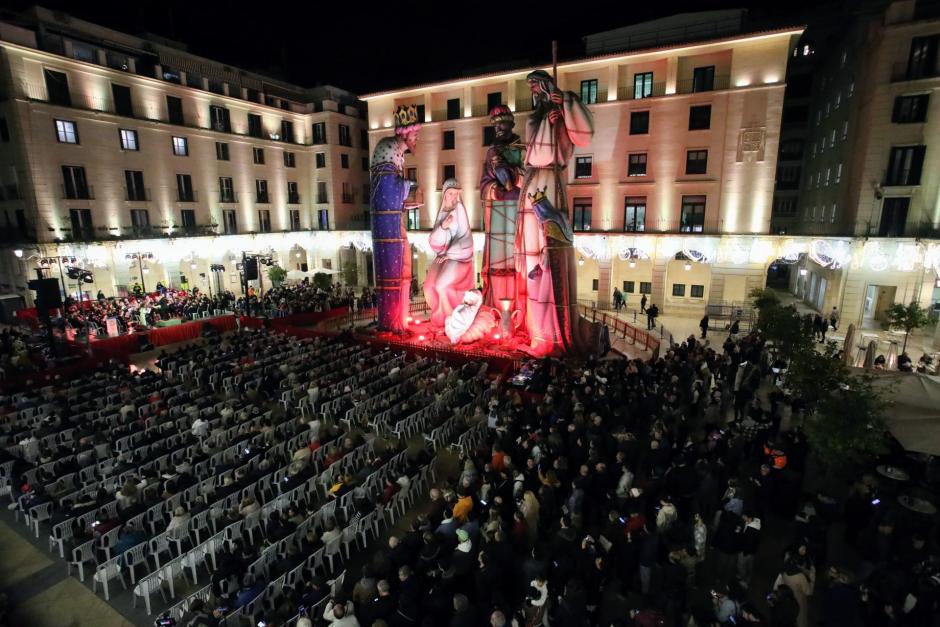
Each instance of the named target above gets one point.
<point>628,92</point>
<point>689,85</point>
<point>77,192</point>
<point>137,194</point>
<point>196,230</point>
<point>227,196</point>
<point>187,196</point>
<point>902,71</point>
<point>293,198</point>
<point>262,198</point>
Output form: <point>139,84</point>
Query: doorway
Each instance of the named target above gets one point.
<point>877,300</point>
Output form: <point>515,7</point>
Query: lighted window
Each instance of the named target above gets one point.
<point>692,214</point>
<point>583,167</point>
<point>636,165</point>
<point>634,214</point>
<point>838,173</point>
<point>180,147</point>
<point>643,85</point>
<point>66,131</point>
<point>129,139</point>
<point>589,91</point>
<point>581,214</point>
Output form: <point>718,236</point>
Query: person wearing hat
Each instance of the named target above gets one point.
<point>451,274</point>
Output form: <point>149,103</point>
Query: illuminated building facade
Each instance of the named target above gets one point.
<point>111,144</point>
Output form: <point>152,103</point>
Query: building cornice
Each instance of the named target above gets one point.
<point>493,76</point>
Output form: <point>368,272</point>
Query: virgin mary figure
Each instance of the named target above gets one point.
<point>451,274</point>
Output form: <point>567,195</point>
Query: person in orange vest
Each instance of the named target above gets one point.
<point>777,457</point>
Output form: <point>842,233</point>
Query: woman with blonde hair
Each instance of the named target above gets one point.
<point>248,506</point>
<point>530,509</point>
<point>127,495</point>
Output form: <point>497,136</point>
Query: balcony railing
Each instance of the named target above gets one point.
<point>628,91</point>
<point>322,199</point>
<point>71,192</point>
<point>690,85</point>
<point>227,195</point>
<point>902,71</point>
<point>293,198</point>
<point>187,196</point>
<point>136,194</point>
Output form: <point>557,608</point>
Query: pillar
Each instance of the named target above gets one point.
<point>613,78</point>
<point>604,287</point>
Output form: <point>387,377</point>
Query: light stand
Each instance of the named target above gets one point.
<point>139,257</point>
<point>82,276</point>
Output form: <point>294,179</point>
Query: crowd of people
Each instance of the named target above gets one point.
<point>304,297</point>
<point>623,492</point>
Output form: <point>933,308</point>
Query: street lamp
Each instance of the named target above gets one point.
<point>139,257</point>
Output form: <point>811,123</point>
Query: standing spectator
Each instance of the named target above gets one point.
<point>651,314</point>
<point>834,318</point>
<point>643,303</point>
<point>703,325</point>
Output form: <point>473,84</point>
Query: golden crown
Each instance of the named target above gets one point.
<point>406,115</point>
<point>538,195</point>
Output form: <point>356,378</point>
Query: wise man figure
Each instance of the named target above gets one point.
<point>451,274</point>
<point>503,169</point>
<point>391,251</point>
<point>545,259</point>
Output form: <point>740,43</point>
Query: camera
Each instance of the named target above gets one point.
<point>876,501</point>
<point>165,620</point>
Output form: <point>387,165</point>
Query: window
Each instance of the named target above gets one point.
<point>850,90</point>
<point>678,289</point>
<point>180,147</point>
<point>344,161</point>
<point>57,88</point>
<point>321,192</point>
<point>229,222</point>
<point>453,109</point>
<point>323,223</point>
<point>264,220</point>
<point>784,206</point>
<point>254,125</point>
<point>788,177</point>
<point>910,109</point>
<point>347,192</point>
<point>845,129</point>
<point>140,220</point>
<point>634,214</point>
<point>904,165</point>
<point>344,137</point>
<point>171,75</point>
<point>493,99</point>
<point>595,284</point>
<point>66,132</point>
<point>636,164</point>
<point>4,130</point>
<point>832,138</point>
<point>220,120</point>
<point>75,183</point>
<point>174,110</point>
<point>257,155</point>
<point>411,174</point>
<point>319,133</point>
<point>421,113</point>
<point>129,139</point>
<point>838,173</point>
<point>188,219</point>
<point>84,53</point>
<point>226,189</point>
<point>365,164</point>
<point>812,152</point>
<point>364,138</point>
<point>893,217</point>
<point>287,131</point>
<point>122,100</point>
<point>832,213</point>
<point>581,214</point>
<point>697,291</point>
<point>295,220</point>
<point>922,62</point>
<point>692,215</point>
<point>321,159</point>
<point>221,151</point>
<point>639,122</point>
<point>450,172</point>
<point>489,135</point>
<point>134,180</point>
<point>293,193</point>
<point>703,78</point>
<point>629,287</point>
<point>643,85</point>
<point>82,228</point>
<point>696,161</point>
<point>646,287</point>
<point>700,117</point>
<point>583,167</point>
<point>448,140</point>
<point>838,100</point>
<point>261,190</point>
<point>589,91</point>
<point>413,219</point>
<point>289,161</point>
<point>184,188</point>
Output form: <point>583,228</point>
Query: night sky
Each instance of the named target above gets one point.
<point>356,45</point>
